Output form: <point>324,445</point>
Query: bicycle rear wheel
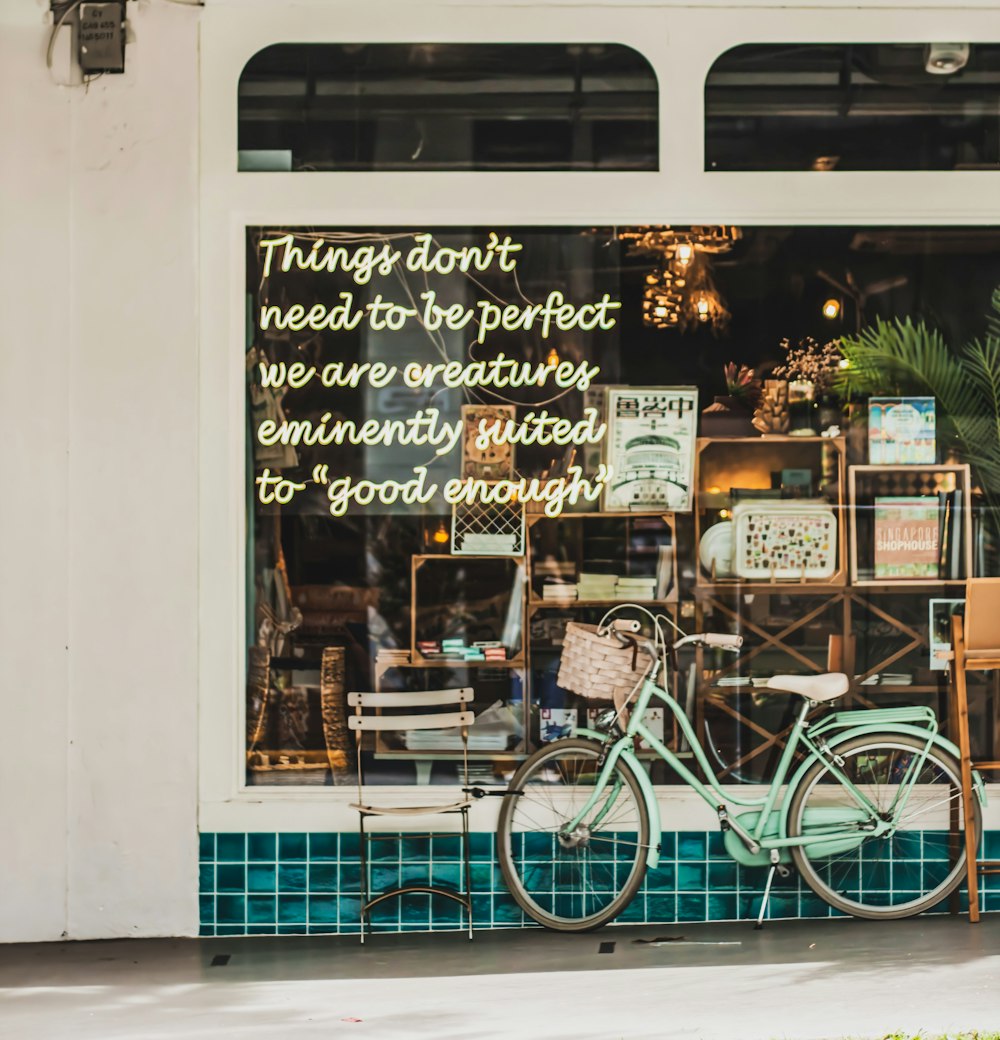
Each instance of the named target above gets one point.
<point>910,868</point>
<point>572,883</point>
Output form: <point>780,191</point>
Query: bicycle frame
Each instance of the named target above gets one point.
<point>816,750</point>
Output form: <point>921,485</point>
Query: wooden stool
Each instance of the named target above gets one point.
<point>975,646</point>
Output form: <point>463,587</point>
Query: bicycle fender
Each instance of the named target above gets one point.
<point>863,731</point>
<point>648,795</point>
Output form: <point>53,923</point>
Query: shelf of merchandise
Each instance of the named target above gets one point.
<point>747,463</point>
<point>912,479</point>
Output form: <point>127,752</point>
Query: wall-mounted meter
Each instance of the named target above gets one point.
<point>101,37</point>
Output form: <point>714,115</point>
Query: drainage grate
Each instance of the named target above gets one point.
<point>220,960</point>
<point>606,947</point>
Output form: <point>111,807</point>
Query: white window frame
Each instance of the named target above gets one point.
<point>681,43</point>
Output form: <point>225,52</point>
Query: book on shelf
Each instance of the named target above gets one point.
<point>906,537</point>
<point>901,431</point>
<point>664,570</point>
<point>951,505</point>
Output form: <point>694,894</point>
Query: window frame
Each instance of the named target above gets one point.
<point>681,43</point>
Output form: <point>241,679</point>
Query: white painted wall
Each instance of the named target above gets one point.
<point>98,621</point>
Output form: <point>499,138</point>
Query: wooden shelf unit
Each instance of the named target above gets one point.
<point>946,477</point>
<point>722,463</point>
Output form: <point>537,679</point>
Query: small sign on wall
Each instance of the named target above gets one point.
<point>101,37</point>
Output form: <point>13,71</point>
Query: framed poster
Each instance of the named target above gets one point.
<point>650,448</point>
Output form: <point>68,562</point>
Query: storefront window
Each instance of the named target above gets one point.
<point>426,106</point>
<point>874,106</point>
<point>461,440</point>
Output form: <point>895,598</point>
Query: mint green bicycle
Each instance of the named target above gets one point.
<point>872,816</point>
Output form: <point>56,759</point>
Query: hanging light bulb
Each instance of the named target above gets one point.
<point>683,256</point>
<point>552,358</point>
<point>831,309</point>
<point>440,536</point>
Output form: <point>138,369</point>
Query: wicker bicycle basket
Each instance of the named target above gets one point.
<point>597,666</point>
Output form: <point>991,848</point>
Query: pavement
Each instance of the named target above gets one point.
<point>795,980</point>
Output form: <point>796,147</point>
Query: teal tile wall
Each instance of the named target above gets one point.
<point>298,884</point>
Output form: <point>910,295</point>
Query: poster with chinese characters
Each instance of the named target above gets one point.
<point>650,448</point>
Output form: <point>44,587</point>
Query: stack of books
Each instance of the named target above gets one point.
<point>638,589</point>
<point>392,657</point>
<point>596,586</point>
<point>491,649</point>
<point>558,589</point>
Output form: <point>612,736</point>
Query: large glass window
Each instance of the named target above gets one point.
<point>427,106</point>
<point>462,439</point>
<point>854,106</point>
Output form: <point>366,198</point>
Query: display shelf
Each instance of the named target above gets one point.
<point>868,482</point>
<point>749,464</point>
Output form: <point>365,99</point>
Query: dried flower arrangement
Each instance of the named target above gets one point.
<point>811,362</point>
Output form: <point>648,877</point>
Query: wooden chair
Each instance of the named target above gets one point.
<point>975,646</point>
<point>372,714</point>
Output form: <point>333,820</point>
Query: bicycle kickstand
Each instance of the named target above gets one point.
<point>780,868</point>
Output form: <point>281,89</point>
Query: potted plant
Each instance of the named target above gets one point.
<point>731,415</point>
<point>812,370</point>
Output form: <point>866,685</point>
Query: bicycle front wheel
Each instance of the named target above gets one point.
<point>578,881</point>
<point>915,864</point>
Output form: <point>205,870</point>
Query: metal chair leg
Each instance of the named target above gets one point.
<point>467,857</point>
<point>363,855</point>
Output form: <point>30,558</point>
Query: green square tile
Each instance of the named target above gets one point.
<point>415,847</point>
<point>262,929</point>
<point>323,846</point>
<point>261,910</point>
<point>262,847</point>
<point>231,848</point>
<point>231,929</point>
<point>206,877</point>
<point>691,845</point>
<point>448,875</point>
<point>293,847</point>
<point>206,847</point>
<point>482,845</point>
<point>447,847</point>
<point>349,877</point>
<point>293,929</point>
<point>482,911</point>
<point>722,876</point>
<point>634,913</point>
<point>323,910</point>
<point>506,911</point>
<point>322,929</point>
<point>322,877</point>
<point>692,906</point>
<point>661,907</point>
<point>205,930</point>
<point>230,909</point>
<point>292,877</point>
<point>206,909</point>
<point>261,877</point>
<point>349,844</point>
<point>716,847</point>
<point>691,877</point>
<point>483,877</point>
<point>991,845</point>
<point>722,906</point>
<point>230,877</point>
<point>385,847</point>
<point>663,878</point>
<point>668,845</point>
<point>291,909</point>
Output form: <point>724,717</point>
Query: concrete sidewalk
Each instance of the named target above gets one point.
<point>807,980</point>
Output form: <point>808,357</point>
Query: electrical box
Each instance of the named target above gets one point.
<point>101,37</point>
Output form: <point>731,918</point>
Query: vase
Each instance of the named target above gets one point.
<point>802,418</point>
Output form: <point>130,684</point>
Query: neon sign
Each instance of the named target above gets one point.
<point>428,426</point>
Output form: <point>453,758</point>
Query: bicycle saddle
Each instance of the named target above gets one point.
<point>819,688</point>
